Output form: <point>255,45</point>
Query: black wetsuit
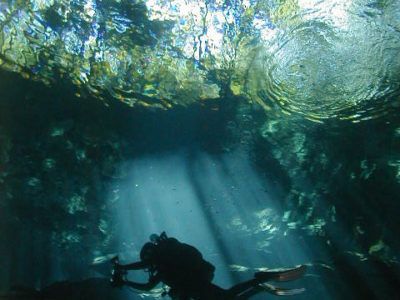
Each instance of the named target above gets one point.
<point>182,268</point>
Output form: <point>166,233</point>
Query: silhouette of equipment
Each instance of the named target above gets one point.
<point>117,274</point>
<point>182,268</point>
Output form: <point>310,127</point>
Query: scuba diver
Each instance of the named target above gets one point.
<point>182,268</point>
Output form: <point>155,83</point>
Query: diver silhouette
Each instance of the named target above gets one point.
<point>182,268</point>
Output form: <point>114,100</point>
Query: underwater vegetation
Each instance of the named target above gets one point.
<point>309,93</point>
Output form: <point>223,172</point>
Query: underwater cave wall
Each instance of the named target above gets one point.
<point>56,163</point>
<point>60,159</point>
<point>60,156</point>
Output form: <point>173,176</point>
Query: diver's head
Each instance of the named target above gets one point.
<point>148,252</point>
<point>154,238</point>
<point>157,238</point>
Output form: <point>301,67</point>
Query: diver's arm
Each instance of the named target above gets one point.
<point>134,266</point>
<point>153,281</point>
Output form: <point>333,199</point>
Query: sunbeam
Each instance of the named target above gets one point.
<point>217,203</point>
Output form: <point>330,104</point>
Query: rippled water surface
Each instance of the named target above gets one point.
<point>335,59</point>
<point>322,59</point>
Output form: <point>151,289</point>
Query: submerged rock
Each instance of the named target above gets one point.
<point>92,288</point>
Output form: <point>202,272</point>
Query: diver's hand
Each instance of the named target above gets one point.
<point>117,282</point>
<point>116,265</point>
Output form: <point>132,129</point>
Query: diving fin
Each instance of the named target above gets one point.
<point>278,291</point>
<point>281,275</point>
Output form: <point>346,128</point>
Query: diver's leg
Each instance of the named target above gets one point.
<point>214,292</point>
<point>240,288</point>
<point>246,294</point>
